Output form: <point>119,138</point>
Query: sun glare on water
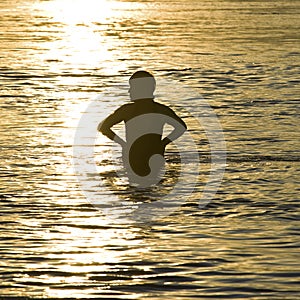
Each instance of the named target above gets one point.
<point>77,44</point>
<point>82,27</point>
<point>79,11</point>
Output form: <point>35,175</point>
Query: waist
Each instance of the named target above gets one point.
<point>148,139</point>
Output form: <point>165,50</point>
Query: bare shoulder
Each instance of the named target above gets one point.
<point>162,108</point>
<point>166,110</point>
<point>125,108</point>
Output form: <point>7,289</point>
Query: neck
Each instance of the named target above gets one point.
<point>143,99</point>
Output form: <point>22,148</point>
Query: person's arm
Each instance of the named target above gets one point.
<point>178,124</point>
<point>105,126</point>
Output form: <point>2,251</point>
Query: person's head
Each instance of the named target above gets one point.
<point>142,85</point>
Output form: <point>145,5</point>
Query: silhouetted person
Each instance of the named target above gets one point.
<point>144,119</point>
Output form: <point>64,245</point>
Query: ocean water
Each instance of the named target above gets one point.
<point>239,59</point>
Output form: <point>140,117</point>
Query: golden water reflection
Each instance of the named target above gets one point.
<point>87,250</point>
<point>73,12</point>
<point>83,28</point>
<point>58,55</point>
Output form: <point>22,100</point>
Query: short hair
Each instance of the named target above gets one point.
<point>141,74</point>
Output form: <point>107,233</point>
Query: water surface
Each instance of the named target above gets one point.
<point>242,57</point>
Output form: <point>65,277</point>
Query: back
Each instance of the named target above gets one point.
<point>144,117</point>
<point>144,122</point>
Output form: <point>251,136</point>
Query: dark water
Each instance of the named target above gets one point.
<point>242,57</point>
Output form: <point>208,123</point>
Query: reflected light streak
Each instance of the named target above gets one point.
<point>80,48</point>
<point>83,252</point>
<point>74,12</point>
<point>83,43</point>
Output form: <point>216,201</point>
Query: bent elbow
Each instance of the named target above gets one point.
<point>100,127</point>
<point>183,127</point>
